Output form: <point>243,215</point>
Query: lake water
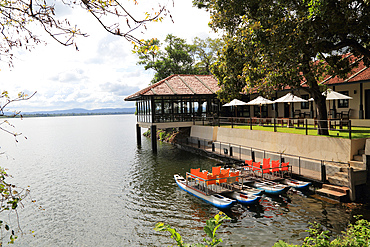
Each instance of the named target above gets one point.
<point>96,188</point>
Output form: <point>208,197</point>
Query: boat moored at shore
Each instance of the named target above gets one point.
<point>244,198</point>
<point>270,188</point>
<point>299,185</point>
<point>199,191</point>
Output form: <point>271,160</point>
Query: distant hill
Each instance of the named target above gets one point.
<point>84,111</point>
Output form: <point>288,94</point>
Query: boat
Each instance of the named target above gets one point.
<point>244,198</point>
<point>299,185</point>
<point>243,187</point>
<point>249,190</point>
<point>195,189</point>
<point>271,188</point>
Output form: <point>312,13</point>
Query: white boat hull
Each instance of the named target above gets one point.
<point>245,198</point>
<point>272,189</point>
<point>300,185</point>
<point>216,199</point>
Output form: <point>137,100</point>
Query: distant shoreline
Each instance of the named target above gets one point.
<point>65,114</point>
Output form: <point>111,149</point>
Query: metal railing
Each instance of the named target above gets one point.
<point>304,166</point>
<point>342,125</point>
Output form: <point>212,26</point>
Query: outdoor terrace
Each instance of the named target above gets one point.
<point>342,128</point>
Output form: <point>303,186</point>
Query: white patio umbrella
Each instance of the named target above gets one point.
<point>235,103</point>
<point>260,101</point>
<point>290,98</point>
<point>332,95</point>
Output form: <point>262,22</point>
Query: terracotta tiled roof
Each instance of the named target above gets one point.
<point>180,85</point>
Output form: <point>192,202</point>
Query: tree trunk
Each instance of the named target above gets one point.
<point>320,100</point>
<point>321,113</point>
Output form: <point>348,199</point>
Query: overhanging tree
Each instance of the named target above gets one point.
<point>20,21</point>
<point>289,43</point>
<point>178,57</point>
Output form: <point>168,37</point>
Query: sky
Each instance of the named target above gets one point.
<point>104,70</point>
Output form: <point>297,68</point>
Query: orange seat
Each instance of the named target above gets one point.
<point>275,165</point>
<point>195,172</point>
<point>211,177</point>
<point>285,166</point>
<point>256,166</point>
<point>266,166</point>
<point>235,174</point>
<point>216,170</point>
<point>249,162</point>
<point>203,175</point>
<point>224,174</point>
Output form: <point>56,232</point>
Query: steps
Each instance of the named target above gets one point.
<point>357,164</point>
<point>338,193</point>
<point>358,160</point>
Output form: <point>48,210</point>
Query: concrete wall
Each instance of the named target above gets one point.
<point>357,144</point>
<point>315,147</point>
<point>327,148</point>
<point>204,132</point>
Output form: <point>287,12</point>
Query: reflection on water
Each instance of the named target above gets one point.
<point>99,189</point>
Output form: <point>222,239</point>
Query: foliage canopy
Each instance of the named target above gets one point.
<point>21,21</point>
<point>273,44</point>
<point>177,56</point>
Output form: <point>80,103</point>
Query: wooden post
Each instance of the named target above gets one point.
<point>351,183</point>
<point>138,135</point>
<point>349,129</point>
<point>323,172</point>
<point>305,122</point>
<point>153,133</point>
<point>274,124</point>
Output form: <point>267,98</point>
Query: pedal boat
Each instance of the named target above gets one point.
<point>245,198</point>
<point>216,200</point>
<point>271,188</point>
<point>299,185</point>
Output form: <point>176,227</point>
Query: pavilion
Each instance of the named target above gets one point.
<point>176,101</point>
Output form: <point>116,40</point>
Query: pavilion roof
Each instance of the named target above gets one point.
<point>180,85</point>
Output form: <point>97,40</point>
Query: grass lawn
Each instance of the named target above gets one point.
<point>357,132</point>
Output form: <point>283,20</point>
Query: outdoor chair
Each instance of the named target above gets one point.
<point>266,166</point>
<point>224,174</point>
<point>275,167</point>
<point>345,118</point>
<point>345,114</point>
<point>256,167</point>
<point>284,168</point>
<point>211,177</point>
<point>234,177</point>
<point>216,170</point>
<point>297,113</point>
<point>248,165</point>
<point>195,172</point>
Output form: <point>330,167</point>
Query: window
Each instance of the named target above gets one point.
<point>343,103</point>
<point>167,107</point>
<point>260,110</point>
<point>158,107</point>
<point>305,105</point>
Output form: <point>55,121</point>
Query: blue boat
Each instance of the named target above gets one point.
<point>244,198</point>
<point>299,185</point>
<point>271,188</point>
<point>195,189</point>
<point>249,190</point>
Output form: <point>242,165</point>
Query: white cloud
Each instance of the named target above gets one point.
<point>104,70</point>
